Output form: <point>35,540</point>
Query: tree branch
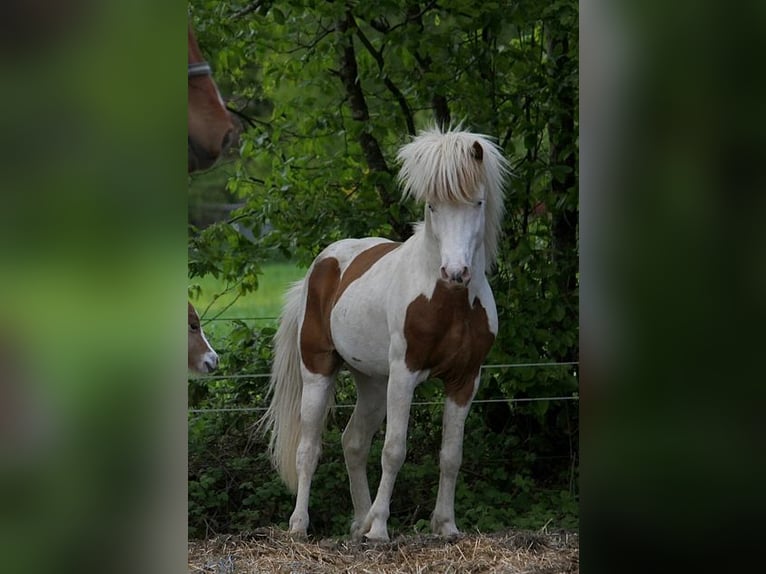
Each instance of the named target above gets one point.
<point>395,91</point>
<point>349,75</point>
<point>243,116</point>
<point>415,14</point>
<point>313,44</point>
<point>438,101</point>
<point>507,137</point>
<point>249,9</point>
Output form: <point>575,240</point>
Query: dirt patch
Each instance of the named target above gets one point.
<point>270,550</point>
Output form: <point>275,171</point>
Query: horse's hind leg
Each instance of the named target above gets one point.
<point>450,458</point>
<point>366,419</point>
<point>317,390</point>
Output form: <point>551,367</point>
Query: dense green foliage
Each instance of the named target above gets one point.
<point>330,90</point>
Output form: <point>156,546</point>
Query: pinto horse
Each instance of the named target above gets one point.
<point>394,314</point>
<point>202,357</point>
<point>211,128</point>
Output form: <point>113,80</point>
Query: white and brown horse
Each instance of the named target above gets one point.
<point>211,128</point>
<point>394,314</point>
<point>202,358</point>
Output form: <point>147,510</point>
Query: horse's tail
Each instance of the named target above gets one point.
<point>283,417</point>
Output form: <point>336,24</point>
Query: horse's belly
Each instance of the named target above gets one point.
<point>360,336</point>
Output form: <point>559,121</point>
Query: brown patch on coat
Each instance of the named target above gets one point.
<point>448,336</point>
<point>325,286</point>
<point>362,263</point>
<point>317,350</point>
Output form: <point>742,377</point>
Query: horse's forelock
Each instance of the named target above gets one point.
<point>454,166</point>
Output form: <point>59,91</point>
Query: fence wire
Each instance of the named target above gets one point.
<point>573,397</point>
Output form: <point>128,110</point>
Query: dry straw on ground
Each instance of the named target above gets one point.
<point>270,550</point>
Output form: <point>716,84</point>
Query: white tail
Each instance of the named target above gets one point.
<point>285,388</point>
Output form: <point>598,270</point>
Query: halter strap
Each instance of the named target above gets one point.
<point>199,69</point>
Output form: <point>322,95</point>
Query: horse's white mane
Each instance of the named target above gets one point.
<point>452,165</point>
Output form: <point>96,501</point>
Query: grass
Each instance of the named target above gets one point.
<point>262,306</point>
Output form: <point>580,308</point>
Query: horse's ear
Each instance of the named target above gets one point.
<point>477,152</point>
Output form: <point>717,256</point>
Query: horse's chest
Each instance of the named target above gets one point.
<point>450,337</point>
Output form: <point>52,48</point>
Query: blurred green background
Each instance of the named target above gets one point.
<point>92,286</point>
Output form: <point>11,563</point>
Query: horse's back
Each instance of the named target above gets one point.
<point>346,250</point>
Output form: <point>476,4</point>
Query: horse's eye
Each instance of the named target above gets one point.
<point>430,207</point>
<point>193,327</point>
<point>479,203</point>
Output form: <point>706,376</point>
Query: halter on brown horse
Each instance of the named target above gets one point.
<point>211,128</point>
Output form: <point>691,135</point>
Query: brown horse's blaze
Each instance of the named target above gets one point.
<point>450,337</point>
<point>325,286</point>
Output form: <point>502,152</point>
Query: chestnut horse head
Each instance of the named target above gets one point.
<point>211,128</point>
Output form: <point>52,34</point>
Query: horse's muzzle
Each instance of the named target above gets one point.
<point>199,158</point>
<point>456,277</point>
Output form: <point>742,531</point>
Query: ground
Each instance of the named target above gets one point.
<point>270,550</point>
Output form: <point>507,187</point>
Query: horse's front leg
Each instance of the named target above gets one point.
<point>401,385</point>
<point>450,458</point>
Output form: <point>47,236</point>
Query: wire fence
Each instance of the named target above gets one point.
<point>573,397</point>
<point>209,319</point>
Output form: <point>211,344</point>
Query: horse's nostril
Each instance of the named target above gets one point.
<point>462,277</point>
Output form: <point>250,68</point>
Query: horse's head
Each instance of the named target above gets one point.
<point>211,128</point>
<point>202,357</point>
<point>459,176</point>
<point>459,230</point>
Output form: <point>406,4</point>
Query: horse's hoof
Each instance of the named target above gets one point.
<point>445,528</point>
<point>376,537</point>
<point>299,535</point>
<point>375,541</point>
<point>357,530</point>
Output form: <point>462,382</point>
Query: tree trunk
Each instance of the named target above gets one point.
<point>349,75</point>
